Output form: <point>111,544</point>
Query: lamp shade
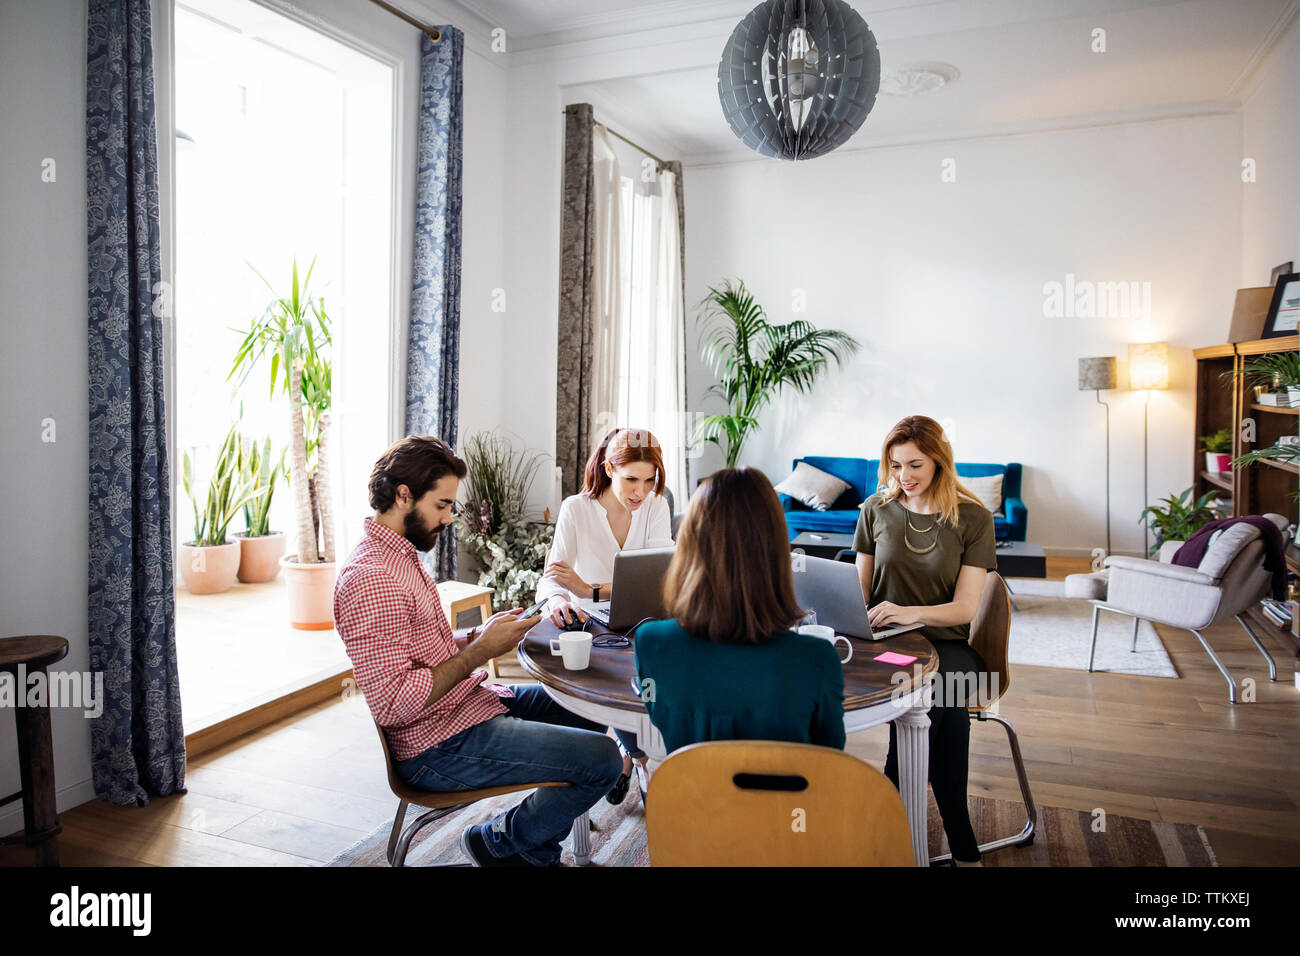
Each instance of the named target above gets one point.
<point>1097,373</point>
<point>798,77</point>
<point>1148,365</point>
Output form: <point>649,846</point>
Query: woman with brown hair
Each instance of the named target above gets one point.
<point>620,508</point>
<point>729,665</point>
<point>924,546</point>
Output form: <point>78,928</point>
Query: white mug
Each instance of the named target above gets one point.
<point>827,633</point>
<point>575,648</point>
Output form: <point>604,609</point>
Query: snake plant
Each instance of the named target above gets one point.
<point>228,492</point>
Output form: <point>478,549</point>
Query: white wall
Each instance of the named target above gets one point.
<point>44,486</point>
<point>943,284</point>
<point>1271,136</point>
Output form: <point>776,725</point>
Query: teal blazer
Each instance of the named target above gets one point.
<point>790,687</point>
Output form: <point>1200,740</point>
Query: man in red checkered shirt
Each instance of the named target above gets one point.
<point>447,730</point>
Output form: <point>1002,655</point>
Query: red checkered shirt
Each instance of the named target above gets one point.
<point>387,610</point>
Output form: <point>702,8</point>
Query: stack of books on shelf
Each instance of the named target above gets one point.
<point>1222,507</point>
<point>1276,611</point>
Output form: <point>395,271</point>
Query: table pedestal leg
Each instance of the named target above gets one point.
<point>913,729</point>
<point>36,771</point>
<point>582,840</point>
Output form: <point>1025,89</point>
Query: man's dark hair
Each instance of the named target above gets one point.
<point>417,461</point>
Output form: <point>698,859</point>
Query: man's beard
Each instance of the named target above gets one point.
<point>418,533</point>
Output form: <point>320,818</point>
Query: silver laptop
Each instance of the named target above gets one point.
<point>834,591</point>
<point>638,589</point>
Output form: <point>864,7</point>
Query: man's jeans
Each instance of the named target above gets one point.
<point>537,741</point>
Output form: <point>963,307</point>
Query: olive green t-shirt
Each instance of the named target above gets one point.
<point>901,576</point>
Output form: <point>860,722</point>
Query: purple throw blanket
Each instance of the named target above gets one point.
<point>1191,553</point>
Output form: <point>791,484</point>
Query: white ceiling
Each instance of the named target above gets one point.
<point>1023,66</point>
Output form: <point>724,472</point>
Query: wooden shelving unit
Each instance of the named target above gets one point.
<point>1224,403</point>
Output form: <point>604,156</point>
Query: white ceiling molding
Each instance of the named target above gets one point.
<point>1244,86</point>
<point>1083,123</point>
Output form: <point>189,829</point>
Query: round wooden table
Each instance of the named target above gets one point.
<point>873,695</point>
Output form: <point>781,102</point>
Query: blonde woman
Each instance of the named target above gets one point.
<point>924,546</point>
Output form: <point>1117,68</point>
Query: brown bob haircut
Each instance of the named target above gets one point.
<point>622,446</point>
<point>730,580</point>
<point>417,461</point>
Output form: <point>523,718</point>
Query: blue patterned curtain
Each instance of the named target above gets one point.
<point>138,743</point>
<point>433,346</point>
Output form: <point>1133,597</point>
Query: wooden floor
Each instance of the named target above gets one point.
<point>298,792</point>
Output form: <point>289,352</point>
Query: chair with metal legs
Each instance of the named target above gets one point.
<point>1230,579</point>
<point>990,634</point>
<point>439,805</point>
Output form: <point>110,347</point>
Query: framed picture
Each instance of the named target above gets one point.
<point>1284,312</point>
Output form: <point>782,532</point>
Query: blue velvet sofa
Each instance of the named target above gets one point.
<point>1012,522</point>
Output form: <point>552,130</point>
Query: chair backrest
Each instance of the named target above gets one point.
<point>395,783</point>
<point>771,803</point>
<point>990,633</point>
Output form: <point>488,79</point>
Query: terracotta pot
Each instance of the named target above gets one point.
<point>311,593</point>
<point>211,569</point>
<point>1217,462</point>
<point>259,557</point>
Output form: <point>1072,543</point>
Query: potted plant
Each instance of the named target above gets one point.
<point>754,360</point>
<point>260,548</point>
<point>1179,518</point>
<point>1218,450</point>
<point>491,523</point>
<point>1275,373</point>
<point>210,563</point>
<point>295,329</point>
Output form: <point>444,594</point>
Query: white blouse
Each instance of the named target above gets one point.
<point>585,542</point>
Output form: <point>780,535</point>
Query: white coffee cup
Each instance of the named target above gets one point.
<point>575,648</point>
<point>827,633</point>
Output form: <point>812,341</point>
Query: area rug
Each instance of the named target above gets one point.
<point>1063,838</point>
<point>1050,630</point>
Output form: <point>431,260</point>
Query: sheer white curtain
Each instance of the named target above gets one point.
<point>608,310</point>
<point>652,356</point>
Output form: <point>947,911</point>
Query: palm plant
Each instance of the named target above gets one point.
<point>1272,370</point>
<point>755,359</point>
<point>229,490</point>
<point>295,329</point>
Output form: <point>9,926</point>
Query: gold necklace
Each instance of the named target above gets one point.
<point>913,548</point>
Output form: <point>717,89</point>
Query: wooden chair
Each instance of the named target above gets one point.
<point>442,804</point>
<point>773,804</point>
<point>990,634</point>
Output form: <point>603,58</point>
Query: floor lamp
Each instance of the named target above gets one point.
<point>1094,375</point>
<point>1148,368</point>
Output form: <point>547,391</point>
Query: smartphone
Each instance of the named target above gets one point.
<point>532,610</point>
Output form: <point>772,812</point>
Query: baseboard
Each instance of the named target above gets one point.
<point>65,798</point>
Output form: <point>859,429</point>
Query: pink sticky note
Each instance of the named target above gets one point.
<point>889,657</point>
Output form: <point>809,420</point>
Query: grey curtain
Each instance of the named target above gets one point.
<point>138,742</point>
<point>433,344</point>
<point>573,438</point>
<point>675,167</point>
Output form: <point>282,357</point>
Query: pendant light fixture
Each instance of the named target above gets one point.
<point>798,77</point>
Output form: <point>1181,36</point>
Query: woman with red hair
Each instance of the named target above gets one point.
<point>620,508</point>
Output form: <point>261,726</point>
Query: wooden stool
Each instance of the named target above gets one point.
<point>460,596</point>
<point>34,653</point>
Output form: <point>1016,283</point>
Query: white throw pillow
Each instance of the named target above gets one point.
<point>813,487</point>
<point>987,490</point>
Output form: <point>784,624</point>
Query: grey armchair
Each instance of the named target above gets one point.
<point>1229,580</point>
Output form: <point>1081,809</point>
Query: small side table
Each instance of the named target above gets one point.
<point>33,653</point>
<point>460,596</point>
